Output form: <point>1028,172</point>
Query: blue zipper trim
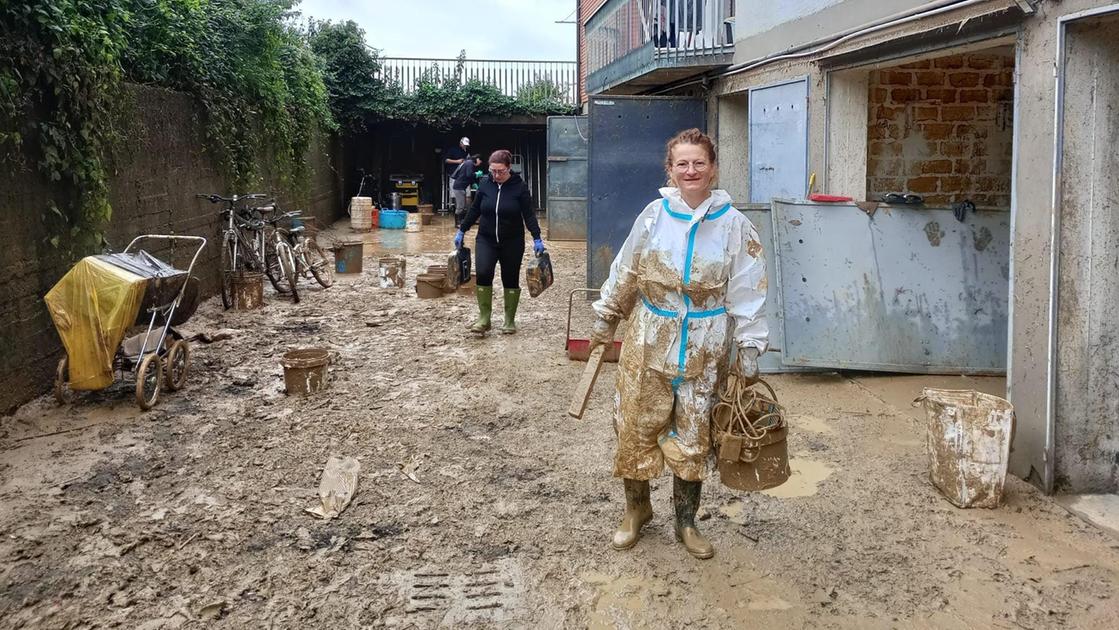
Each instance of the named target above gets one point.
<point>720,212</point>
<point>674,214</point>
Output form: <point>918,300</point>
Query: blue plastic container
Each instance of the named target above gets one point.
<point>393,219</point>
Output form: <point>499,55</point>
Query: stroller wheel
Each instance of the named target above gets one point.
<point>149,380</point>
<point>62,392</point>
<point>176,366</point>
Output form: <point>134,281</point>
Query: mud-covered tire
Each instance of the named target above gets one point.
<point>149,380</point>
<point>176,366</point>
<point>320,266</point>
<point>227,272</point>
<point>287,264</point>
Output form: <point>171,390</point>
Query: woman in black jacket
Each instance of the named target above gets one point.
<point>503,209</point>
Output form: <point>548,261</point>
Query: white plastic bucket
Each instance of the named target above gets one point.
<point>361,214</point>
<point>414,222</point>
<point>968,444</point>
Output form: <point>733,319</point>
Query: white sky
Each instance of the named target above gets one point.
<point>487,29</point>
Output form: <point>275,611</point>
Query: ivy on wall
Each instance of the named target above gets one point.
<point>62,63</point>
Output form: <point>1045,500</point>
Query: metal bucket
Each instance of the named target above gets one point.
<point>347,257</point>
<point>248,290</point>
<point>394,200</point>
<point>305,370</point>
<point>392,270</point>
<point>429,285</point>
<point>969,435</point>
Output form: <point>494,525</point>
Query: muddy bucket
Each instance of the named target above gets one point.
<point>248,290</point>
<point>347,257</point>
<point>392,270</point>
<point>305,370</point>
<point>751,437</point>
<point>467,288</point>
<point>429,285</point>
<point>361,214</point>
<point>413,222</point>
<point>968,442</point>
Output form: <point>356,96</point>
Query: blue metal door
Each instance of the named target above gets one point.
<point>567,178</point>
<point>778,141</point>
<point>626,166</point>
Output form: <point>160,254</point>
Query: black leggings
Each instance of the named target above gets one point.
<point>488,252</point>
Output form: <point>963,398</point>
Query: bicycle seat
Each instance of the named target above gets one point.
<point>265,209</point>
<point>295,230</point>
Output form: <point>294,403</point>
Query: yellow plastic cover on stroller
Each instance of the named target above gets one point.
<point>93,306</point>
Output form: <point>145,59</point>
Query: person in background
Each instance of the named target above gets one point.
<point>463,178</point>
<point>452,159</point>
<point>690,280</point>
<point>503,210</point>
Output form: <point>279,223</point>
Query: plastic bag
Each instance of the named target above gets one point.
<point>458,267</point>
<point>538,275</point>
<point>93,306</point>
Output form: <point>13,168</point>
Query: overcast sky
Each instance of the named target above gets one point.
<point>487,29</point>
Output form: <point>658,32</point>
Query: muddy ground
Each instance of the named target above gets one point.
<point>481,504</point>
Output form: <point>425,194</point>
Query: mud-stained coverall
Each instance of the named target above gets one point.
<point>691,283</point>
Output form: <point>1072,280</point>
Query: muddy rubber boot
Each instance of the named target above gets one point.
<point>685,497</point>
<point>638,512</point>
<point>485,310</point>
<point>512,297</point>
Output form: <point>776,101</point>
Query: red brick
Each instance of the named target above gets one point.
<point>936,131</point>
<point>974,96</point>
<point>888,184</point>
<point>888,131</point>
<point>944,95</point>
<point>922,184</point>
<point>905,95</point>
<point>886,112</point>
<point>917,65</point>
<point>924,113</point>
<point>878,95</point>
<point>930,77</point>
<point>984,112</point>
<point>893,77</point>
<point>935,167</point>
<point>953,148</point>
<point>955,62</point>
<point>992,184</point>
<point>957,112</point>
<point>982,62</point>
<point>969,166</point>
<point>964,79</point>
<point>1002,95</point>
<point>955,183</point>
<point>883,148</point>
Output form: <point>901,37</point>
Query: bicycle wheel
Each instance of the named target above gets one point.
<point>227,270</point>
<point>287,264</point>
<point>272,268</point>
<point>321,267</point>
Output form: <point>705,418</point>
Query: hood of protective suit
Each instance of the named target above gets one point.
<point>717,199</point>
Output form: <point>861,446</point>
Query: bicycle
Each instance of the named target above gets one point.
<point>242,242</point>
<point>307,257</point>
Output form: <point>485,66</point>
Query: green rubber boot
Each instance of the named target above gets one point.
<point>485,310</point>
<point>512,299</point>
<point>685,497</point>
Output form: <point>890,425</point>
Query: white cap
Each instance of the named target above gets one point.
<point>464,141</point>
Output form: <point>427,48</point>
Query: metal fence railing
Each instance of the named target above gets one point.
<point>509,76</point>
<point>672,28</point>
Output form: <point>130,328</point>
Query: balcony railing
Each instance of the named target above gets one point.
<point>509,76</point>
<point>675,30</point>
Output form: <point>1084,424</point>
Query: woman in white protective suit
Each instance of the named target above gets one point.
<point>690,280</point>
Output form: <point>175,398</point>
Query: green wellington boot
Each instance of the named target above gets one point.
<point>638,512</point>
<point>512,298</point>
<point>685,497</point>
<point>485,310</point>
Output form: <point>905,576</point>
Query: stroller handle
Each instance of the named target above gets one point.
<point>171,237</point>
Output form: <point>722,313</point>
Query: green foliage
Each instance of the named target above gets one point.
<point>359,96</point>
<point>62,63</point>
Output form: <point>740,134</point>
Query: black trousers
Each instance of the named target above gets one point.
<point>488,252</point>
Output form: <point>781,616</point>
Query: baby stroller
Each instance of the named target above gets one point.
<point>101,298</point>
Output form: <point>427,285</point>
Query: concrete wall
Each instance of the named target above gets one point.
<point>161,167</point>
<point>943,128</point>
<point>763,27</point>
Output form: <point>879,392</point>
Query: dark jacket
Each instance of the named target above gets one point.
<point>502,211</point>
<point>464,175</point>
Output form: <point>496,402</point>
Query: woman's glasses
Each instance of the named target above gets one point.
<point>699,166</point>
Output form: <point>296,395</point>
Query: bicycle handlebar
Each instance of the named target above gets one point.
<point>215,198</point>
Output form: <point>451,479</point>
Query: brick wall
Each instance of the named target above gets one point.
<point>161,167</point>
<point>942,128</point>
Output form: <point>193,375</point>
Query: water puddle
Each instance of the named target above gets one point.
<point>810,423</point>
<point>805,480</point>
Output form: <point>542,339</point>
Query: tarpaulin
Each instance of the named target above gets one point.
<point>93,306</point>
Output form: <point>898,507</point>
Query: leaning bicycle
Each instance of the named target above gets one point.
<point>242,241</point>
<point>289,235</point>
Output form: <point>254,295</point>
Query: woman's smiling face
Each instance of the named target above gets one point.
<point>692,168</point>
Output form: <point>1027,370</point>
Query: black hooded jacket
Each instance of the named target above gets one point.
<point>502,211</point>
